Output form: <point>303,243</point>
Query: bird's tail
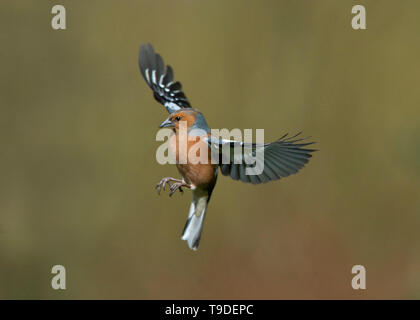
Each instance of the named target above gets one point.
<point>194,225</point>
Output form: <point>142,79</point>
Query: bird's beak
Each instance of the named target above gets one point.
<point>167,124</point>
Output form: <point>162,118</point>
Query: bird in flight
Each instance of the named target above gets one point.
<point>280,158</point>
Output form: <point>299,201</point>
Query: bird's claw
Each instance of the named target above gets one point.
<point>162,183</point>
<point>176,186</point>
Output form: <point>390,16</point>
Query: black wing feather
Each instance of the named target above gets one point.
<point>281,158</point>
<point>160,79</point>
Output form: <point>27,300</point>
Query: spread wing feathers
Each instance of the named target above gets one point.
<point>280,159</point>
<point>161,79</point>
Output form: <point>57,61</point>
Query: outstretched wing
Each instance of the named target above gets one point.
<point>279,159</point>
<point>161,79</point>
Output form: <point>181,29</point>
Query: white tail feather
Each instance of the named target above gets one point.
<point>194,225</point>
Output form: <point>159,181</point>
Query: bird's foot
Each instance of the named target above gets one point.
<point>178,185</point>
<point>167,180</point>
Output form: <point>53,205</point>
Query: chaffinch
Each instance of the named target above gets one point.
<point>280,158</point>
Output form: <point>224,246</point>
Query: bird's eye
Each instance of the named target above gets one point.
<point>178,118</point>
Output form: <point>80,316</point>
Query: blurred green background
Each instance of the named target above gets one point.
<point>78,168</point>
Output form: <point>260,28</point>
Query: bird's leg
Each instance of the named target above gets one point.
<point>178,185</point>
<point>166,180</point>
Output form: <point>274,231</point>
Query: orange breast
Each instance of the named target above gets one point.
<point>194,161</point>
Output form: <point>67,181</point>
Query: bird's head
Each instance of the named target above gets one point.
<point>187,117</point>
